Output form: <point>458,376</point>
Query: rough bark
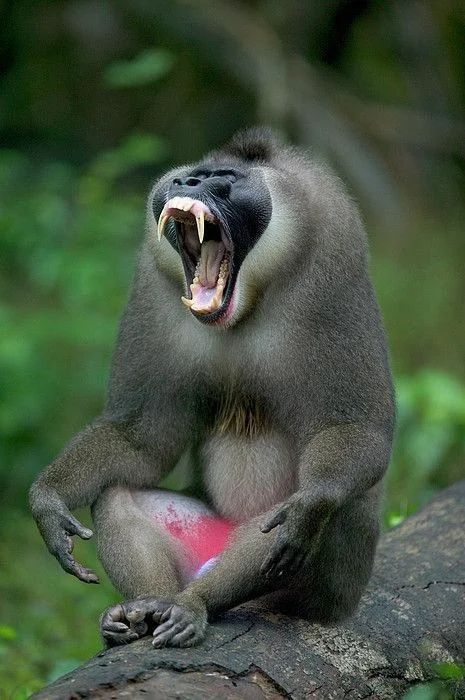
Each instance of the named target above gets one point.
<point>411,619</point>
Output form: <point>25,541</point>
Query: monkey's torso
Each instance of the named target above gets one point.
<point>248,398</point>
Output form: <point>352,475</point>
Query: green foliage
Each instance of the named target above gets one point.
<point>428,691</point>
<point>147,67</point>
<point>48,619</point>
<point>448,686</point>
<point>429,450</point>
<point>68,244</point>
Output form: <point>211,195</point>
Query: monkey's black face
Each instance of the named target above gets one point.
<point>213,215</point>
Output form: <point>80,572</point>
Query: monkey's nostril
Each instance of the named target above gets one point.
<point>193,181</point>
<point>177,181</point>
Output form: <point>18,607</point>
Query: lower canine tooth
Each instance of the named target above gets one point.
<point>187,302</point>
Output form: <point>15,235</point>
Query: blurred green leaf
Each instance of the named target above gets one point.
<point>430,439</point>
<point>147,67</point>
<point>62,667</point>
<point>394,519</point>
<point>7,633</point>
<point>136,150</point>
<point>449,671</point>
<point>427,691</point>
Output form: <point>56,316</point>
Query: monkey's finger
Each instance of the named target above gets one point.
<point>115,627</point>
<point>163,635</point>
<point>281,553</point>
<point>71,566</point>
<point>185,638</point>
<point>161,629</point>
<point>74,527</point>
<point>290,562</point>
<point>299,561</point>
<point>166,614</point>
<point>136,616</point>
<point>275,520</point>
<point>272,560</point>
<point>140,628</point>
<point>86,575</point>
<point>117,638</point>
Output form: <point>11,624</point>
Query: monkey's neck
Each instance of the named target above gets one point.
<point>240,415</point>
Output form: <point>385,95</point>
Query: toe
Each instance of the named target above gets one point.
<point>113,615</point>
<point>136,617</point>
<point>186,638</point>
<point>117,638</point>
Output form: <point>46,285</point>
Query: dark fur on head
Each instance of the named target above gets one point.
<point>254,145</point>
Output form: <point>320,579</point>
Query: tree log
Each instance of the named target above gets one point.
<point>410,620</point>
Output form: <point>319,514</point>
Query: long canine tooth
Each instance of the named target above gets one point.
<point>187,302</point>
<point>161,225</point>
<point>200,226</point>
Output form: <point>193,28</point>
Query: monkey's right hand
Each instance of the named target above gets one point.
<point>57,526</point>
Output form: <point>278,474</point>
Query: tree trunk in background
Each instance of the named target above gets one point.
<point>411,619</point>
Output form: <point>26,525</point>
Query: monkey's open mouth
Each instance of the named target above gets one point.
<point>206,251</point>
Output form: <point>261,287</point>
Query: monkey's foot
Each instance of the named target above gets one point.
<point>181,626</point>
<point>131,620</point>
<point>172,624</point>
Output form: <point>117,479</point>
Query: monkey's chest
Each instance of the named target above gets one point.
<point>248,466</point>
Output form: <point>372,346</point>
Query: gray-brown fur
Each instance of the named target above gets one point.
<point>302,372</point>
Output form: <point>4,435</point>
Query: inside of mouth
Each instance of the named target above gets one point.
<point>210,261</point>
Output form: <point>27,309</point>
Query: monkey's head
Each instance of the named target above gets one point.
<point>215,228</point>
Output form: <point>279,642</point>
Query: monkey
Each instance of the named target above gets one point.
<point>253,341</point>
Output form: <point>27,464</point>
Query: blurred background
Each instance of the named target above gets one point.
<point>96,98</point>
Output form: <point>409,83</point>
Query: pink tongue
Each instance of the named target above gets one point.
<point>201,295</point>
<point>203,291</point>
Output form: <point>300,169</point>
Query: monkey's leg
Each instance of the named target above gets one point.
<point>326,588</point>
<point>151,543</point>
<point>264,560</point>
<point>330,584</point>
<point>234,579</point>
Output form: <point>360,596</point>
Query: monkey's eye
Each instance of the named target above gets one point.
<point>228,174</point>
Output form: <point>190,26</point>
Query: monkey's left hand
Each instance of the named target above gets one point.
<point>300,520</point>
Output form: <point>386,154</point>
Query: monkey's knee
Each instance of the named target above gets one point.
<point>117,525</point>
<point>105,508</point>
<point>155,541</point>
<point>333,581</point>
<point>138,555</point>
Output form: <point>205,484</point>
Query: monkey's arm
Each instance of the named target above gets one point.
<point>340,463</point>
<point>101,455</point>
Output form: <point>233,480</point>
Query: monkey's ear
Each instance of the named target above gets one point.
<point>257,144</point>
